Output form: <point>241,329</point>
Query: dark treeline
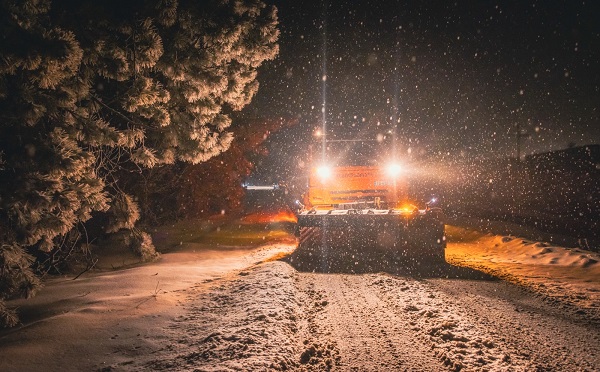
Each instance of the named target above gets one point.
<point>557,192</point>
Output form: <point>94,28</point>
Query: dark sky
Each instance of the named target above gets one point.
<point>453,77</point>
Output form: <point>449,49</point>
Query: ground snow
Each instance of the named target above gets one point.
<point>568,275</point>
<point>208,308</point>
<point>246,323</point>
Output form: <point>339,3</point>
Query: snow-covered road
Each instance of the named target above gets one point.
<point>273,317</point>
<point>367,312</point>
<point>252,310</point>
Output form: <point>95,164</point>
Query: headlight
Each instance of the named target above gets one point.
<point>324,172</point>
<point>393,170</point>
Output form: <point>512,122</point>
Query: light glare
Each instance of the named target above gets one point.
<point>324,172</point>
<point>393,170</point>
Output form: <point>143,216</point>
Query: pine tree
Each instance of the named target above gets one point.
<point>89,88</point>
<point>215,186</point>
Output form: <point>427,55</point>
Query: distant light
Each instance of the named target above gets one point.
<point>430,202</point>
<point>262,187</point>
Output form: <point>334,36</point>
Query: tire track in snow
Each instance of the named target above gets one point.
<point>457,338</point>
<point>534,329</point>
<point>370,334</point>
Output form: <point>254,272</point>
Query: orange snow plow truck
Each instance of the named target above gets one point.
<point>366,208</point>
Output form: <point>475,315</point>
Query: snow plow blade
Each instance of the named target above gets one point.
<point>416,236</point>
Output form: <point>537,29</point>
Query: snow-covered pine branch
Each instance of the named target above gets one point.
<point>87,91</point>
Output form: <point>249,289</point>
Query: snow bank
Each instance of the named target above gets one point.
<point>119,320</point>
<point>569,275</point>
<point>243,324</point>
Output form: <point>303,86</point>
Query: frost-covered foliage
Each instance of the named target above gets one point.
<point>215,186</point>
<point>90,87</point>
<point>212,187</point>
<point>16,279</point>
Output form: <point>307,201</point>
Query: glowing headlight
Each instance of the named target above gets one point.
<point>324,172</point>
<point>393,170</point>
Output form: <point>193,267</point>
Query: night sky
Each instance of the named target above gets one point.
<point>454,78</point>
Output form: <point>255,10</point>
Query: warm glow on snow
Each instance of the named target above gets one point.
<point>270,217</point>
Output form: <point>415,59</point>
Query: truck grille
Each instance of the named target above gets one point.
<point>374,192</point>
